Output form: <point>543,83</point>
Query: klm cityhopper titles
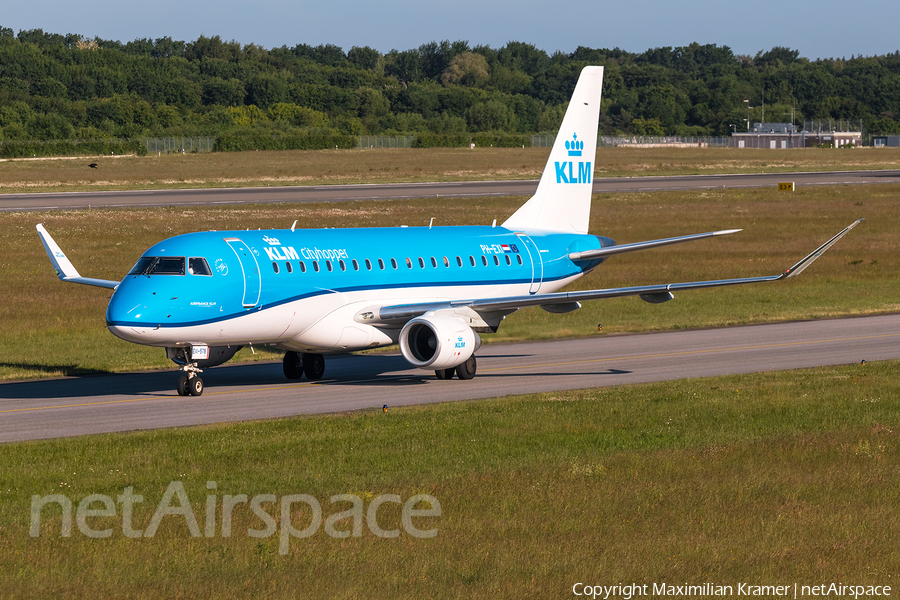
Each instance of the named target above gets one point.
<point>314,292</point>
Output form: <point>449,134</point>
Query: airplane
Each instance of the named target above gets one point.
<point>313,292</point>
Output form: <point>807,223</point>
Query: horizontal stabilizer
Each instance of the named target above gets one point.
<point>621,248</point>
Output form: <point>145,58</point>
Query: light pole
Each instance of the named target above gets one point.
<point>748,114</point>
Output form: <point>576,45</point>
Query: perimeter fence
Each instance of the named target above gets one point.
<point>644,141</point>
<point>180,145</point>
<point>197,144</point>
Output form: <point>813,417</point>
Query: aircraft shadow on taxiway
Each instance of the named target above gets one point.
<point>365,370</point>
<point>161,383</point>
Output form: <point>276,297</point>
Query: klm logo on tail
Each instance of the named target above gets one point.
<point>571,171</point>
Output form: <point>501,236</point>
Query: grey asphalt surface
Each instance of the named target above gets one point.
<point>397,191</point>
<point>123,402</point>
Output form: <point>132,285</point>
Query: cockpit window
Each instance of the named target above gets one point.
<point>141,265</point>
<point>198,266</point>
<point>159,265</point>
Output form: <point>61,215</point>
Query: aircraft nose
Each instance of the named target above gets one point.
<point>125,314</point>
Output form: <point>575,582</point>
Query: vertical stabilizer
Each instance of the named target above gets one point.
<point>562,201</point>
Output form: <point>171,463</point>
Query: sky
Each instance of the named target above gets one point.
<point>820,29</point>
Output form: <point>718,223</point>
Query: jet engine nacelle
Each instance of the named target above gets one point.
<point>438,342</point>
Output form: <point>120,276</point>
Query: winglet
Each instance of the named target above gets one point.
<point>64,268</point>
<point>812,256</point>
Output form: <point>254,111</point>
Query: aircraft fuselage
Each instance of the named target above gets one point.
<point>302,289</point>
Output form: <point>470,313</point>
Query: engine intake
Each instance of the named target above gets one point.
<point>438,342</point>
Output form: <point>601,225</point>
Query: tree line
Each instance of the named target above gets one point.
<point>55,86</point>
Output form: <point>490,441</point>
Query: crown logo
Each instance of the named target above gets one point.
<point>271,241</point>
<point>574,146</point>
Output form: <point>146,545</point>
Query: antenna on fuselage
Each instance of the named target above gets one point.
<point>430,222</point>
<point>294,225</point>
<point>494,224</point>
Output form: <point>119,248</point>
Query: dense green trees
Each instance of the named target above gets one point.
<point>55,86</point>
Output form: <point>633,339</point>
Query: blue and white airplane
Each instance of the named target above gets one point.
<point>313,292</point>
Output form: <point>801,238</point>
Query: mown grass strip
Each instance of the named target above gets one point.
<point>763,478</point>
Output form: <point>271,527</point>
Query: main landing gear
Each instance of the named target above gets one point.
<point>465,370</point>
<point>296,364</point>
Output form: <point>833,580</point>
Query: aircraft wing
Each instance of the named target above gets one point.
<point>566,301</point>
<point>65,270</point>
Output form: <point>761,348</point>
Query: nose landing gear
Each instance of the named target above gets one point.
<point>190,383</point>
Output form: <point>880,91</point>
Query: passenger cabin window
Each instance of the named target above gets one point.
<point>343,265</point>
<point>198,266</point>
<point>421,262</point>
<point>275,266</point>
<point>484,260</point>
<point>496,260</point>
<point>380,264</point>
<point>355,265</point>
<point>458,261</point>
<point>328,265</point>
<point>408,263</point>
<point>159,265</point>
<point>289,266</point>
<point>508,260</point>
<point>519,258</point>
<point>446,262</point>
<point>368,264</point>
<point>394,263</point>
<point>316,266</point>
<point>472,260</point>
<point>302,267</point>
<point>433,262</point>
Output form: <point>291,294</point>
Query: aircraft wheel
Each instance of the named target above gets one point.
<point>195,386</point>
<point>445,373</point>
<point>292,365</point>
<point>467,369</point>
<point>314,366</point>
<point>182,386</point>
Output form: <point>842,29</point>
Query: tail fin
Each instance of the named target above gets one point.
<point>562,201</point>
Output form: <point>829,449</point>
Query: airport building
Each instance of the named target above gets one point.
<point>786,135</point>
<point>886,141</point>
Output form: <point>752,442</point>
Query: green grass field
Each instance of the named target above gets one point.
<point>763,479</point>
